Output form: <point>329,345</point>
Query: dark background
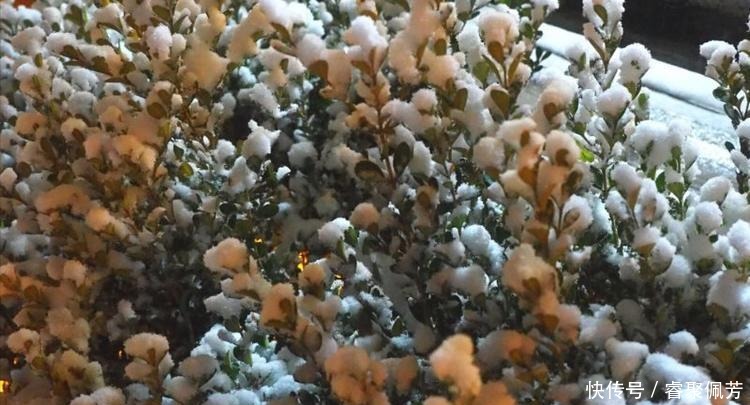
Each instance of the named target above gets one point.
<point>671,29</point>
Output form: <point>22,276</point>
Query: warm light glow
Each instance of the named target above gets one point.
<point>4,386</point>
<point>303,257</point>
<point>258,240</point>
<point>16,361</point>
<point>120,354</point>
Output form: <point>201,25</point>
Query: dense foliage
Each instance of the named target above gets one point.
<point>357,202</point>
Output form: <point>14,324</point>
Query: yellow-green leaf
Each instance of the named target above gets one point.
<point>459,101</point>
<point>496,51</point>
<point>320,69</point>
<point>601,11</point>
<point>501,98</point>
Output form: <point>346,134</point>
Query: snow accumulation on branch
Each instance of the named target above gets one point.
<point>680,83</point>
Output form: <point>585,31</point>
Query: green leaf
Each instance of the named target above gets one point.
<point>550,111</point>
<point>350,236</point>
<point>163,13</point>
<point>440,47</point>
<point>496,51</point>
<point>718,312</point>
<point>100,64</point>
<point>156,110</point>
<point>230,366</point>
<point>458,221</point>
<point>70,52</point>
<point>243,355</point>
<point>586,155</point>
<point>724,355</point>
<point>514,66</point>
<point>402,157</point>
<point>459,101</point>
<point>227,208</point>
<point>164,96</point>
<point>601,11</point>
<point>127,67</point>
<point>165,129</point>
<point>720,93</point>
<point>403,3</point>
<point>320,69</point>
<point>676,188</point>
<point>312,339</point>
<point>37,82</point>
<point>732,113</point>
<point>368,171</point>
<point>75,15</point>
<point>177,24</point>
<point>676,154</point>
<point>283,32</point>
<point>362,66</point>
<point>643,100</point>
<point>632,88</point>
<point>186,170</point>
<point>287,308</point>
<point>661,182</point>
<point>47,147</point>
<point>268,210</point>
<point>482,71</point>
<point>398,327</point>
<point>114,27</point>
<point>233,325</point>
<point>502,100</point>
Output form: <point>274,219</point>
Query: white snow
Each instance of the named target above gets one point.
<point>681,343</point>
<point>613,101</point>
<point>204,65</point>
<point>228,257</point>
<point>625,358</point>
<point>364,215</point>
<point>302,152</point>
<point>739,238</point>
<point>599,327</point>
<point>730,291</point>
<point>453,361</point>
<point>260,140</point>
<point>635,62</point>
<point>159,41</point>
<point>330,233</point>
<point>504,345</point>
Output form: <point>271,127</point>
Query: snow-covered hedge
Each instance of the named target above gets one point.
<point>358,202</point>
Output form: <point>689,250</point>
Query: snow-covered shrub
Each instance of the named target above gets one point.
<point>112,172</point>
<point>354,202</point>
<point>729,66</point>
